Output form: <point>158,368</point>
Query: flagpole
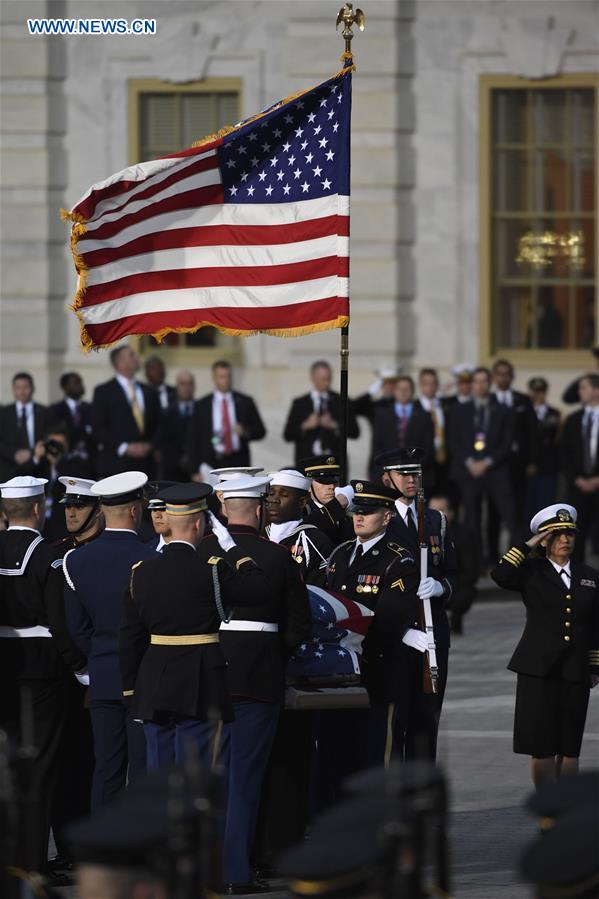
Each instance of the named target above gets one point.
<point>346,15</point>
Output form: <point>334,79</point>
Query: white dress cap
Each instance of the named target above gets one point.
<point>23,486</point>
<point>225,474</point>
<point>289,477</point>
<point>77,486</point>
<point>244,488</point>
<point>120,488</point>
<point>557,517</point>
<point>464,368</point>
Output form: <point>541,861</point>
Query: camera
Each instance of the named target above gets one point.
<point>53,447</point>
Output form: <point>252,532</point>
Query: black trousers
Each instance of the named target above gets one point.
<point>406,727</point>
<point>495,485</point>
<point>76,765</point>
<point>33,711</point>
<point>587,505</point>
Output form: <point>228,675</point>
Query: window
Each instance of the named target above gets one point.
<point>164,119</point>
<point>539,164</point>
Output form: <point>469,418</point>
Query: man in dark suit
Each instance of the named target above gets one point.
<point>580,459</point>
<point>75,414</point>
<point>524,455</point>
<point>172,438</point>
<point>223,424</point>
<point>22,424</point>
<point>313,419</point>
<point>378,394</point>
<point>125,418</point>
<point>480,450</point>
<point>541,486</point>
<point>404,423</point>
<point>155,373</point>
<point>97,576</point>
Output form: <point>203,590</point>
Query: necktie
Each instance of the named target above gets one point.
<point>565,576</point>
<point>77,415</point>
<point>358,555</point>
<point>404,421</point>
<point>412,524</point>
<point>587,438</point>
<point>440,453</point>
<point>227,433</point>
<point>23,426</point>
<point>136,409</point>
<point>323,403</point>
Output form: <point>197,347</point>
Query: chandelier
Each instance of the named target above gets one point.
<point>541,249</point>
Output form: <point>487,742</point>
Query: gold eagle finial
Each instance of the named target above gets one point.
<point>347,15</point>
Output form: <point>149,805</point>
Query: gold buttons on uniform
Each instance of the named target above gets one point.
<point>343,586</point>
<point>568,596</point>
<point>567,638</point>
<point>568,624</point>
<point>568,609</point>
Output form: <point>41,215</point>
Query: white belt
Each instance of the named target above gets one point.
<point>37,631</point>
<point>266,627</point>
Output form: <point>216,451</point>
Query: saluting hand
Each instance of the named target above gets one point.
<point>535,540</point>
<point>225,541</point>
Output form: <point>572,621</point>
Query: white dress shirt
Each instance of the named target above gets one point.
<point>506,397</point>
<point>402,508</point>
<point>366,546</point>
<point>318,399</point>
<point>126,385</point>
<point>217,421</point>
<point>592,412</point>
<point>566,577</point>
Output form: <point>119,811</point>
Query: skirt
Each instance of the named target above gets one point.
<point>550,715</point>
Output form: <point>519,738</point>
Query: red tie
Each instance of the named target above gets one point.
<point>227,434</point>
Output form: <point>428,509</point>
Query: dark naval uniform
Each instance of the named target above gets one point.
<point>171,662</point>
<point>36,661</point>
<point>385,578</point>
<point>257,643</point>
<point>97,576</point>
<point>557,652</point>
<point>310,548</point>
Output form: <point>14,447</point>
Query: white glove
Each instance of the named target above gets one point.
<point>82,676</point>
<point>376,387</point>
<point>416,639</point>
<point>224,538</point>
<point>428,587</point>
<point>347,492</point>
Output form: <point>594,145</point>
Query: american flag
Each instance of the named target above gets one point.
<point>247,232</point>
<point>339,626</point>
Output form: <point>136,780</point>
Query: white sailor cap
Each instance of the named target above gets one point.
<point>245,488</point>
<point>557,517</point>
<point>22,487</point>
<point>120,488</point>
<point>227,474</point>
<point>78,491</point>
<point>289,477</point>
<point>389,374</point>
<point>463,371</point>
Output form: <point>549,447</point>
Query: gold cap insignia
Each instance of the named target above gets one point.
<point>359,487</point>
<point>563,515</point>
<point>331,460</point>
<point>72,483</point>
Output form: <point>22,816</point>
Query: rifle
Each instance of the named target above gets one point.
<point>430,671</point>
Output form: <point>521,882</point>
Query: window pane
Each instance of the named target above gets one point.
<point>509,119</point>
<point>228,109</point>
<point>514,322</point>
<point>158,121</point>
<point>551,180</point>
<point>512,178</point>
<point>551,314</point>
<point>583,117</point>
<point>585,317</point>
<point>549,117</point>
<point>583,181</point>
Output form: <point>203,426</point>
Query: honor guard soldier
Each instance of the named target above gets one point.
<point>84,522</point>
<point>173,670</point>
<point>220,475</point>
<point>326,506</point>
<point>381,574</point>
<point>97,577</point>
<point>402,470</point>
<point>309,546</point>
<point>82,512</point>
<point>36,660</point>
<point>257,642</point>
<point>557,658</point>
<point>157,512</point>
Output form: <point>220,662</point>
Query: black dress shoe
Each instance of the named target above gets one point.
<point>246,889</point>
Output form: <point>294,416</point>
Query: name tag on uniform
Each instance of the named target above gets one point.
<point>585,583</point>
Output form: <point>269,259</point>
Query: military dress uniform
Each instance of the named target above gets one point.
<point>442,566</point>
<point>559,648</point>
<point>97,576</point>
<point>36,661</point>
<point>173,669</point>
<point>257,642</point>
<point>382,575</point>
<point>331,518</point>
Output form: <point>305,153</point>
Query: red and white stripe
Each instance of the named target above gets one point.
<point>163,251</point>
